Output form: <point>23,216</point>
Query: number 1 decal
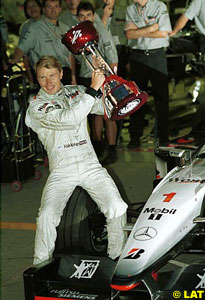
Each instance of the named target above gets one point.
<point>169,197</point>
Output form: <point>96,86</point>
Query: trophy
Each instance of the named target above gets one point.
<point>121,98</point>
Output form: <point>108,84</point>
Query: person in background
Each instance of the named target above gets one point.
<point>69,16</point>
<point>44,38</point>
<point>196,11</point>
<point>147,30</point>
<point>113,18</point>
<point>58,114</point>
<point>85,12</point>
<point>33,11</point>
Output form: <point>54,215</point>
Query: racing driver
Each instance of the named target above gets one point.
<point>58,114</point>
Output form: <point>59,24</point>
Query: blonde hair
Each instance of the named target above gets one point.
<point>48,62</point>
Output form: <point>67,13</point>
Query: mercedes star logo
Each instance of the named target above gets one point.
<point>145,233</point>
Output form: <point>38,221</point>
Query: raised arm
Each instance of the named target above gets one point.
<point>97,79</point>
<point>107,12</point>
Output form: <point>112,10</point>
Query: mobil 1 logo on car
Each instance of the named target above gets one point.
<point>157,213</point>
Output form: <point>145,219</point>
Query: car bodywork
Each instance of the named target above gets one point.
<point>173,212</point>
<point>164,253</point>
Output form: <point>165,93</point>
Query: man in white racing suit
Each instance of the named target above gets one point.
<point>58,115</point>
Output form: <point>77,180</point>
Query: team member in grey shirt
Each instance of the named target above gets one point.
<point>44,38</point>
<point>113,18</point>
<point>147,29</point>
<point>106,46</point>
<point>196,11</point>
<point>112,14</point>
<point>33,11</point>
<point>69,16</point>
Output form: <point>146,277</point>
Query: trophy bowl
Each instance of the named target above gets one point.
<point>78,37</point>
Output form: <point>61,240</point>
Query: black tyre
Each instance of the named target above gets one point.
<point>82,226</point>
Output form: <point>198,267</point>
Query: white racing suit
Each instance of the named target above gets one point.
<point>60,122</point>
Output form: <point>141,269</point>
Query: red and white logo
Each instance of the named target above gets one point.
<point>76,35</point>
<point>134,253</point>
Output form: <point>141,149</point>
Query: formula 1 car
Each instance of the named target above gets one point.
<point>169,224</point>
<point>164,257</point>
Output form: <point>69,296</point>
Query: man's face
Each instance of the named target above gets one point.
<point>52,10</point>
<point>86,15</point>
<point>49,79</point>
<point>72,4</point>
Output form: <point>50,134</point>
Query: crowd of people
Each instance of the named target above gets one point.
<point>133,41</point>
<point>133,37</point>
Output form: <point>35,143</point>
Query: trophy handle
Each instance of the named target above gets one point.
<point>94,51</point>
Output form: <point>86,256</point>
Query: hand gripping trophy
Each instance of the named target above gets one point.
<point>121,97</point>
